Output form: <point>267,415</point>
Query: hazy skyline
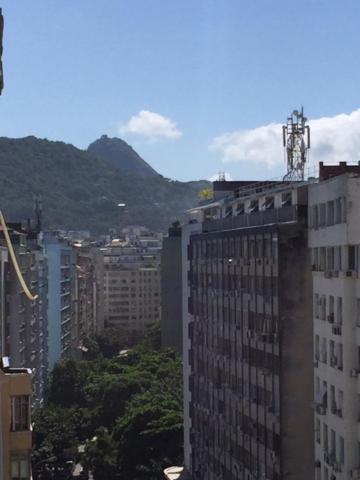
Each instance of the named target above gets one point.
<point>195,87</point>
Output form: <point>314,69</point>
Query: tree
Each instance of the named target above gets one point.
<point>100,456</point>
<point>127,410</point>
<point>55,441</point>
<point>66,384</point>
<point>150,436</point>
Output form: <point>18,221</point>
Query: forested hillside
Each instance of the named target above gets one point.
<point>82,191</point>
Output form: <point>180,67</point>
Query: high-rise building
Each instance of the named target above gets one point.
<point>85,296</point>
<point>248,337</point>
<point>24,322</point>
<point>171,290</point>
<point>60,259</point>
<point>334,240</point>
<point>132,282</point>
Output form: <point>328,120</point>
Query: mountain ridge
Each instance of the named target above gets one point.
<point>120,154</point>
<point>81,191</point>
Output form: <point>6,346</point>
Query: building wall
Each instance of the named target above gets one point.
<point>186,232</point>
<point>61,316</point>
<point>334,240</point>
<point>171,293</point>
<point>248,383</point>
<point>13,382</point>
<point>132,295</point>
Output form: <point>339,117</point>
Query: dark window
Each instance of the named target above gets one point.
<point>20,413</point>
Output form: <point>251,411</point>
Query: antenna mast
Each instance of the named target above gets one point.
<point>296,141</point>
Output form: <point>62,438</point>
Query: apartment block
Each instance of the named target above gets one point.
<point>334,240</point>
<point>24,322</point>
<point>132,283</point>
<point>85,296</point>
<point>15,421</point>
<point>248,336</point>
<point>60,259</point>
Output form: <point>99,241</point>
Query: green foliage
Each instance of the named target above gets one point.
<point>81,191</point>
<point>126,410</point>
<point>65,387</point>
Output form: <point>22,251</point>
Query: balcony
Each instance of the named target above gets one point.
<point>277,215</point>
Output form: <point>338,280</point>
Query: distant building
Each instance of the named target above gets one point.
<point>132,282</point>
<point>171,290</point>
<point>85,297</point>
<point>15,422</point>
<point>61,281</point>
<point>248,338</point>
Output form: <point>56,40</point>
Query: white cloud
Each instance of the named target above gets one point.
<point>216,176</point>
<point>333,139</point>
<point>151,125</point>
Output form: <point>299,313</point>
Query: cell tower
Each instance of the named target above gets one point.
<point>296,141</point>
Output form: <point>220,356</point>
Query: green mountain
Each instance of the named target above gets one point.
<point>82,191</point>
<point>121,155</point>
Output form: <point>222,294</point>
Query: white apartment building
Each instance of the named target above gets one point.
<point>132,285</point>
<point>334,239</point>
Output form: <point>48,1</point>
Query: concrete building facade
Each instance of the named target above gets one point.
<point>334,240</point>
<point>248,336</point>
<point>132,284</point>
<point>60,312</point>
<point>171,290</point>
<point>85,297</point>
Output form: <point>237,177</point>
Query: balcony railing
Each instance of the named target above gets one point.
<point>290,213</point>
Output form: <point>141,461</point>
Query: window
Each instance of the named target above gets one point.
<point>318,431</point>
<point>286,199</point>
<point>322,214</point>
<point>340,403</point>
<point>20,467</point>
<point>316,305</point>
<point>323,350</point>
<point>339,356</point>
<point>341,450</point>
<point>352,258</point>
<point>269,203</point>
<point>339,315</point>
<point>339,214</point>
<point>323,308</point>
<point>333,444</point>
<point>317,347</point>
<point>20,413</point>
<point>330,213</point>
<point>337,259</point>
<point>315,219</point>
<point>325,437</point>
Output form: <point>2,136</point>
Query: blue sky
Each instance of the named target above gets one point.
<point>197,78</point>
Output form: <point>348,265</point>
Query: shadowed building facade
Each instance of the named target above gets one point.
<point>250,339</point>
